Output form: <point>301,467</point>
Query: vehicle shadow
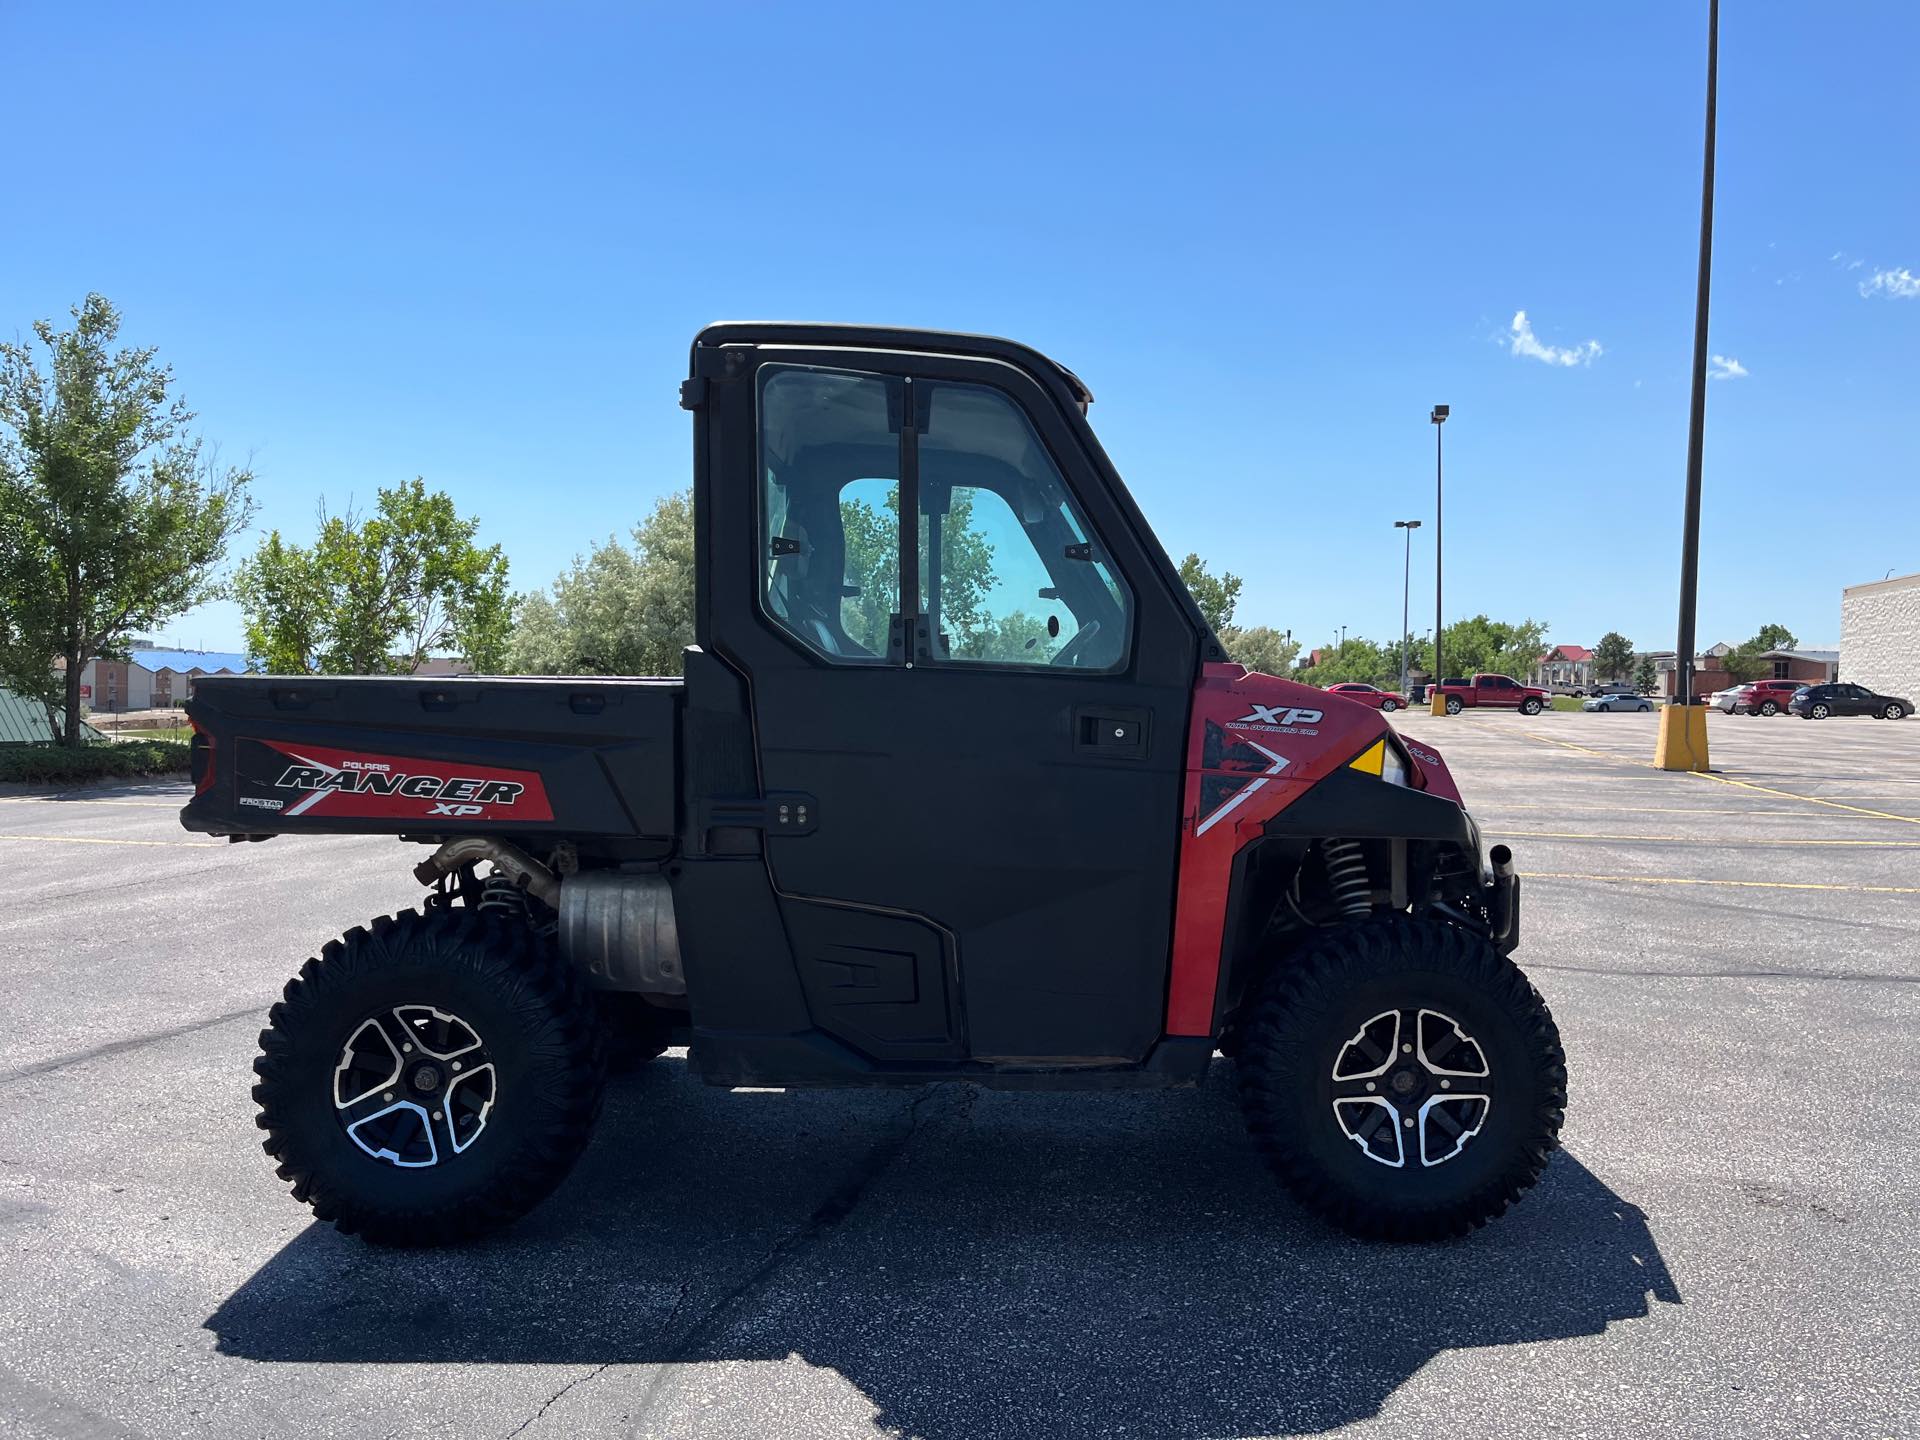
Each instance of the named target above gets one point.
<point>975,1264</point>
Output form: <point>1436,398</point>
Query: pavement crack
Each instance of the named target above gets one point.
<point>594,1374</point>
<point>828,1215</point>
<point>121,1047</point>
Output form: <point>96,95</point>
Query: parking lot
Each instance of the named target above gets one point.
<point>1724,1246</point>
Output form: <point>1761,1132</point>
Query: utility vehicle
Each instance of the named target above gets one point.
<point>957,784</point>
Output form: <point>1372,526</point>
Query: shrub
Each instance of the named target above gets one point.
<point>42,763</point>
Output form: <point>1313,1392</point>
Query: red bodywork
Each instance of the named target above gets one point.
<point>1483,692</point>
<point>288,778</point>
<point>1368,695</point>
<point>1255,744</point>
<point>1753,696</point>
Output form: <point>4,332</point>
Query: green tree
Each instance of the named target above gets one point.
<point>1644,677</point>
<point>1215,595</point>
<point>1480,644</point>
<point>113,518</point>
<point>377,594</point>
<point>619,611</point>
<point>1613,656</point>
<point>1743,662</point>
<point>1357,660</point>
<point>1260,647</point>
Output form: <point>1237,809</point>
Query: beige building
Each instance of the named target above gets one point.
<point>1880,635</point>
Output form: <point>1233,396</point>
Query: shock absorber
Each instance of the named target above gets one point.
<point>502,896</point>
<point>1347,879</point>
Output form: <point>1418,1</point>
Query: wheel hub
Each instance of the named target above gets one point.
<point>1411,1088</point>
<point>414,1086</point>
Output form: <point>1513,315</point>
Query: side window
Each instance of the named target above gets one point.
<point>1010,573</point>
<point>830,508</point>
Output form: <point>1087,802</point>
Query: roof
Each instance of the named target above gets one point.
<point>1891,582</point>
<point>1574,653</point>
<point>212,661</point>
<point>24,721</point>
<point>1823,657</point>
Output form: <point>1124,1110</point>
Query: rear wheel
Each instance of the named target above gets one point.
<point>430,1077</point>
<point>1767,707</point>
<point>1529,707</point>
<point>1403,1079</point>
<point>1820,712</point>
<point>1453,705</point>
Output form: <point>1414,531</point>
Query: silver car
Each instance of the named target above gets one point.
<point>1617,702</point>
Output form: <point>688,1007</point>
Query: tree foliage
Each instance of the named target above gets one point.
<point>1743,662</point>
<point>1480,644</point>
<point>1357,661</point>
<point>619,611</point>
<point>1215,595</point>
<point>1613,656</point>
<point>1260,647</point>
<point>112,518</point>
<point>377,594</point>
<point>1644,676</point>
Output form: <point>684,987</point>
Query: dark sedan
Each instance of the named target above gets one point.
<point>1820,702</point>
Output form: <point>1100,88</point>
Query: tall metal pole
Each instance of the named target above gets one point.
<point>1696,422</point>
<point>1439,419</point>
<point>1406,592</point>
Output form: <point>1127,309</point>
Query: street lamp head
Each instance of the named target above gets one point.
<point>1406,524</point>
<point>1440,413</point>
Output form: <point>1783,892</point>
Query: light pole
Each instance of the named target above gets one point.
<point>1439,419</point>
<point>1682,744</point>
<point>1406,589</point>
<point>1343,641</point>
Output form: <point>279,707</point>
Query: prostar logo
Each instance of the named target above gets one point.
<point>1279,717</point>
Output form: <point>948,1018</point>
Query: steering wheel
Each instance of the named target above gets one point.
<point>1071,652</point>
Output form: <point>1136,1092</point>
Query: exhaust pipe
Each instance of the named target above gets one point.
<point>1503,901</point>
<point>511,861</point>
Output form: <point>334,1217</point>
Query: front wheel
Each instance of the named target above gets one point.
<point>1389,705</point>
<point>1403,1080</point>
<point>430,1077</point>
<point>1529,707</point>
<point>1895,711</point>
<point>1453,705</point>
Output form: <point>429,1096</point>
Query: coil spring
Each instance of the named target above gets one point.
<point>1347,878</point>
<point>499,894</point>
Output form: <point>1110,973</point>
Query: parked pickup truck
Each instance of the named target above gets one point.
<point>1493,692</point>
<point>891,825</point>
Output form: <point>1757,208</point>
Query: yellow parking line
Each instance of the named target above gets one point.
<point>97,840</point>
<point>1705,842</point>
<point>1626,809</point>
<point>1741,884</point>
<point>1810,799</point>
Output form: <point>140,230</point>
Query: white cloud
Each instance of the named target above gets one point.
<point>1896,284</point>
<point>1524,343</point>
<point>1725,367</point>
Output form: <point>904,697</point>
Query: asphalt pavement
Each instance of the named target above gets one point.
<point>1723,1247</point>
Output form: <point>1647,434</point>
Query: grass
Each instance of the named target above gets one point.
<point>1566,702</point>
<point>44,763</point>
<point>164,732</point>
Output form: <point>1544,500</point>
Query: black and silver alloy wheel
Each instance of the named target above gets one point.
<point>1820,712</point>
<point>1411,1088</point>
<point>1403,1079</point>
<point>1894,711</point>
<point>430,1077</point>
<point>414,1086</point>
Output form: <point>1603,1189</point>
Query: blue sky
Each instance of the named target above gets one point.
<point>472,242</point>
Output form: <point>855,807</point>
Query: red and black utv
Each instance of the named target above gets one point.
<point>957,785</point>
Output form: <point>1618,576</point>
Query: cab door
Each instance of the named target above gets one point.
<point>969,670</point>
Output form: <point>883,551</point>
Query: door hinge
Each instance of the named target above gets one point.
<point>693,393</point>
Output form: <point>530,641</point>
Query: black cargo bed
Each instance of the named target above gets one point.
<point>567,757</point>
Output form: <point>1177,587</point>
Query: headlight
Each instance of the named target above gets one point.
<point>1393,767</point>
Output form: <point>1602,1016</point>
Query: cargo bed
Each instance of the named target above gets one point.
<point>573,757</point>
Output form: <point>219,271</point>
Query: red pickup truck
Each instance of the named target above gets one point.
<point>1493,692</point>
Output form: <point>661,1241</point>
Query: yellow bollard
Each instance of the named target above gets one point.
<point>1682,744</point>
<point>1439,706</point>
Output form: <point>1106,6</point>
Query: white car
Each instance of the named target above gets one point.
<point>1617,702</point>
<point>1725,700</point>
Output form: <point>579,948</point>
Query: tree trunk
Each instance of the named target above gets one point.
<point>70,734</point>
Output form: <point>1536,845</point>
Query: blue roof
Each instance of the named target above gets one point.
<point>212,661</point>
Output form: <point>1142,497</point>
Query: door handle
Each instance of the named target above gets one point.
<point>1117,731</point>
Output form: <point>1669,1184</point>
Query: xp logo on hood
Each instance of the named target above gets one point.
<point>1276,717</point>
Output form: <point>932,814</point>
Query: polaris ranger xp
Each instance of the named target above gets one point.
<point>958,784</point>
